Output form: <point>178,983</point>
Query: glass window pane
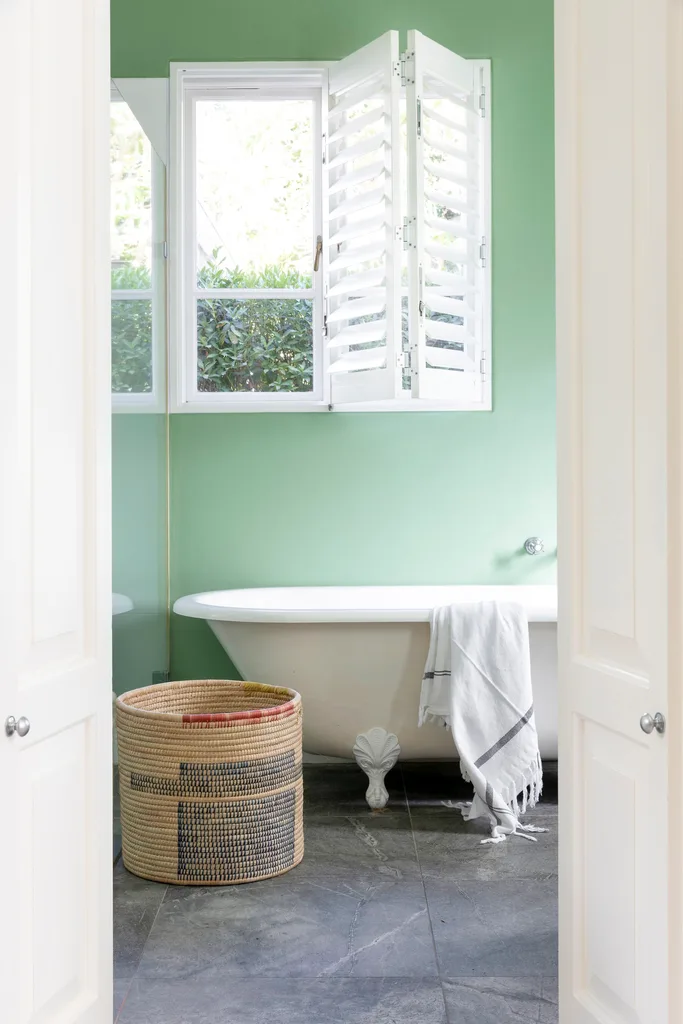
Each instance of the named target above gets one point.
<point>255,345</point>
<point>131,201</point>
<point>255,223</point>
<point>131,346</point>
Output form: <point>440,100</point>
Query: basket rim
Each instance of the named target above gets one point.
<point>254,714</point>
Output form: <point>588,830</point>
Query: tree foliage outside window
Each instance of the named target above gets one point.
<point>131,242</point>
<point>131,333</point>
<point>254,344</point>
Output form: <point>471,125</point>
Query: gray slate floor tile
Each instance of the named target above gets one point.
<point>450,848</point>
<point>340,789</point>
<point>306,930</point>
<point>353,853</point>
<point>136,903</point>
<point>494,929</point>
<point>429,783</point>
<point>120,993</point>
<point>346,938</point>
<point>501,1000</point>
<point>274,1001</point>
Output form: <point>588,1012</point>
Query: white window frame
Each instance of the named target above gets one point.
<point>153,401</point>
<point>190,82</point>
<point>188,77</point>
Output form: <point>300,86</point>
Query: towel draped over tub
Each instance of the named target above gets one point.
<point>477,682</point>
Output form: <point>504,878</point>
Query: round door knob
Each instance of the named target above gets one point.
<point>534,546</point>
<point>20,726</point>
<point>653,723</point>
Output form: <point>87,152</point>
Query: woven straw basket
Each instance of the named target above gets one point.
<point>210,779</point>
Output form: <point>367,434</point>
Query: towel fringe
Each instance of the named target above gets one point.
<point>426,716</point>
<point>524,792</point>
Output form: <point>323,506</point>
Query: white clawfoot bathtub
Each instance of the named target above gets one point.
<point>356,655</point>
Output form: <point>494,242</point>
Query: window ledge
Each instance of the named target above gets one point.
<point>408,405</point>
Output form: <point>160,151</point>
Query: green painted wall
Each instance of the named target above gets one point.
<point>378,498</point>
<point>139,547</point>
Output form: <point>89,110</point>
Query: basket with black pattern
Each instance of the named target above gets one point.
<point>210,781</point>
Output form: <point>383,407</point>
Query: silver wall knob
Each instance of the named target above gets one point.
<point>534,546</point>
<point>653,723</point>
<point>20,726</point>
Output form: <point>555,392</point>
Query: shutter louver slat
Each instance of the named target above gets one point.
<point>448,202</point>
<point>369,89</point>
<point>362,257</point>
<point>436,115</point>
<point>358,124</point>
<point>438,302</point>
<point>365,359</point>
<point>360,334</point>
<point>455,283</point>
<point>364,174</point>
<point>439,89</point>
<point>358,229</point>
<point>357,283</point>
<point>445,253</point>
<point>450,227</point>
<point>357,256</point>
<point>350,153</point>
<point>455,149</point>
<point>361,202</point>
<point>447,172</point>
<point>439,330</point>
<point>448,359</point>
<point>353,309</point>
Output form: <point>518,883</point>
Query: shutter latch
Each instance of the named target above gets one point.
<point>483,252</point>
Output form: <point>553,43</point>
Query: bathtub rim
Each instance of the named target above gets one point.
<point>539,600</point>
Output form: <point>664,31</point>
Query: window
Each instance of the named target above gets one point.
<point>137,296</point>
<point>330,233</point>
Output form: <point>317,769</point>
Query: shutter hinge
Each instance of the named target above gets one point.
<point>407,68</point>
<point>165,250</point>
<point>483,252</point>
<point>419,118</point>
<point>482,101</point>
<point>324,142</point>
<point>482,368</point>
<point>326,306</point>
<point>405,361</point>
<point>407,233</point>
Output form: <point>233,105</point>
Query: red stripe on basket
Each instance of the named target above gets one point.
<point>205,718</point>
<point>282,711</point>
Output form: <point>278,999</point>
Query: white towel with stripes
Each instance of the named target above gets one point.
<point>477,682</point>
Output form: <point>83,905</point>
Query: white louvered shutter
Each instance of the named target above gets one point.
<point>448,224</point>
<point>363,231</point>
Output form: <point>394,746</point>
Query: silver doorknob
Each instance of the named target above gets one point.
<point>20,726</point>
<point>534,546</point>
<point>649,724</point>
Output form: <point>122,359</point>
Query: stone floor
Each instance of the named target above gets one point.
<point>393,917</point>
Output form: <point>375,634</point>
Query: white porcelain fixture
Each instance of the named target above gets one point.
<point>120,604</point>
<point>356,655</point>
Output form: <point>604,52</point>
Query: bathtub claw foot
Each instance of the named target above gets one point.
<point>376,751</point>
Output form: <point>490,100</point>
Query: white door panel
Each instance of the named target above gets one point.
<point>615,458</point>
<point>55,608</point>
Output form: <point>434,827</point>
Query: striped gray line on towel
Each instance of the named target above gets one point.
<point>504,739</point>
